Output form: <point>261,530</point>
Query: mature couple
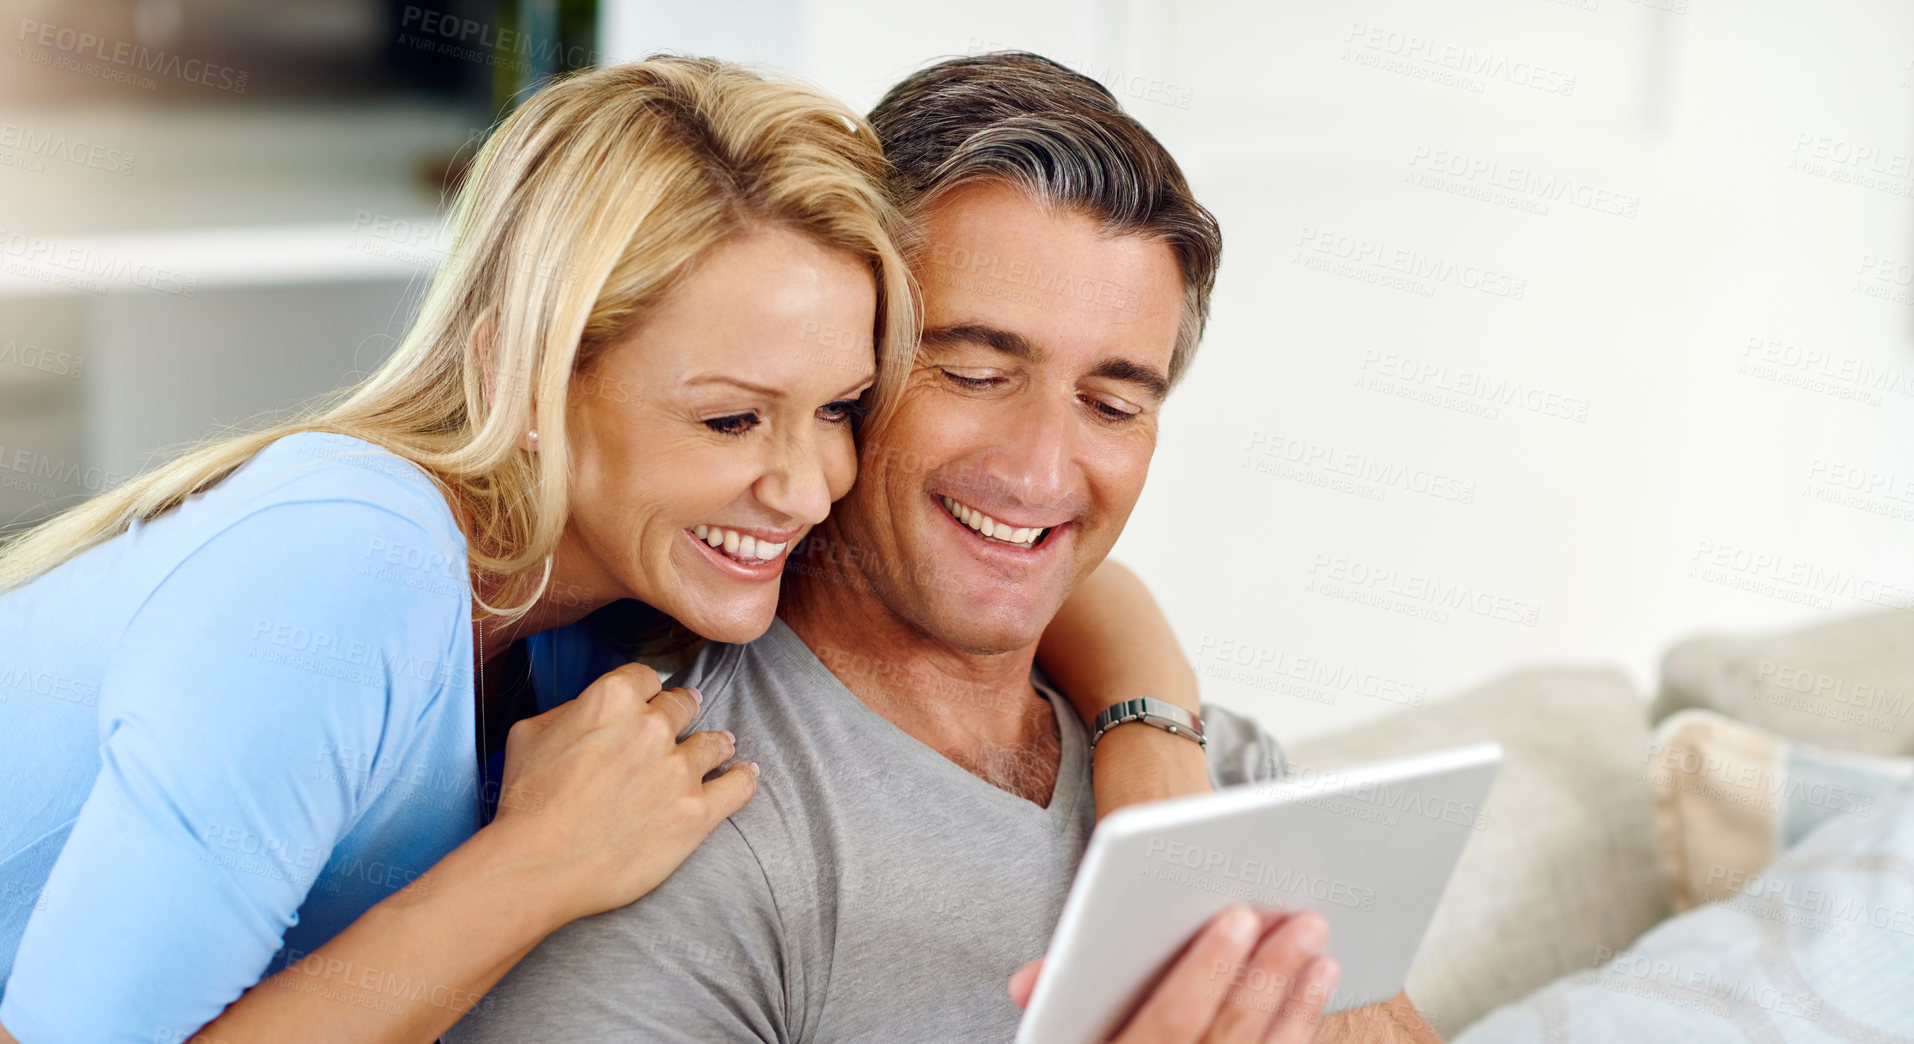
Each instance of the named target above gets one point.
<point>678,313</point>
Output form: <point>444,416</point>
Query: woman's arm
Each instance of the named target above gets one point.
<point>1110,642</point>
<point>235,758</point>
<point>599,804</point>
<point>242,714</point>
<point>408,968</point>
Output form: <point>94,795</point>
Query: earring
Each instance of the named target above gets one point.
<point>534,434</point>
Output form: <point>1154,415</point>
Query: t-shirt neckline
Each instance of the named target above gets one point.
<point>1066,793</point>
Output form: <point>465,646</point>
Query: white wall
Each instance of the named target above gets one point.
<point>287,238</point>
<point>1688,466</point>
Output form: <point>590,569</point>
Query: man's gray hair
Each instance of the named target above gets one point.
<point>1020,118</point>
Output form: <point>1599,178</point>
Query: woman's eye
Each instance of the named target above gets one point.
<point>979,383</point>
<point>735,424</point>
<point>842,410</point>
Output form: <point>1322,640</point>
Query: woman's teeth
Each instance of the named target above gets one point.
<point>992,529</point>
<point>741,546</point>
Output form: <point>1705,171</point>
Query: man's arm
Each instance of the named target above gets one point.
<point>1109,643</point>
<point>1394,1021</point>
<point>699,959</point>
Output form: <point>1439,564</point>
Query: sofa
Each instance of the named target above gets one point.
<point>1570,865</point>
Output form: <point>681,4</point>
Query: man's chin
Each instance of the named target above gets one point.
<point>987,630</point>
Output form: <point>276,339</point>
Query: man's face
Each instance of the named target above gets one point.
<point>1033,404</point>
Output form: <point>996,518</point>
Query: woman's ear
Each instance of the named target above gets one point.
<point>484,340</point>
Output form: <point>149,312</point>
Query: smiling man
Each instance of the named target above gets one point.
<point>924,796</point>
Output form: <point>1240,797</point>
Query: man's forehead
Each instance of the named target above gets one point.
<point>1008,217</point>
<point>992,259</point>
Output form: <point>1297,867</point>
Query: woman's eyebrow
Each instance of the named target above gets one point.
<point>857,389</point>
<point>765,390</point>
<point>725,378</point>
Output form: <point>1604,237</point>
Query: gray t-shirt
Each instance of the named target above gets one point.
<point>872,890</point>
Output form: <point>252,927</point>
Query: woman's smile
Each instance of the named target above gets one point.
<point>751,555</point>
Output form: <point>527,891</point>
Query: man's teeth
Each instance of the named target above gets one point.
<point>741,546</point>
<point>999,531</point>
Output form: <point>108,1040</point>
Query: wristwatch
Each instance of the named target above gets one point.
<point>1161,713</point>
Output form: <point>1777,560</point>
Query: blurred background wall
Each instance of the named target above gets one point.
<point>1547,330</point>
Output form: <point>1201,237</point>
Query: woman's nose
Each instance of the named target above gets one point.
<point>796,482</point>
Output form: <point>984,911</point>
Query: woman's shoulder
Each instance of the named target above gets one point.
<point>324,560</point>
<point>313,524</point>
<point>313,516</point>
<point>317,467</point>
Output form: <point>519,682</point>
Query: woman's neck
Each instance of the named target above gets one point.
<point>565,599</point>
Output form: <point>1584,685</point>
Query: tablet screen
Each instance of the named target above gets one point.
<point>1370,848</point>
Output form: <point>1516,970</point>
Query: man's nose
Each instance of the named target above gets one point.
<point>796,481</point>
<point>1036,457</point>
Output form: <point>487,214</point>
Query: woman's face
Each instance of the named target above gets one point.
<point>713,436</point>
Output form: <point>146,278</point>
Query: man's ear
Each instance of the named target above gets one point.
<point>484,341</point>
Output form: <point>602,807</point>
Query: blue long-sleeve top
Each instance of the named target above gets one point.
<point>224,735</point>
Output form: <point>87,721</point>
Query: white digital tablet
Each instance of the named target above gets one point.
<point>1369,848</point>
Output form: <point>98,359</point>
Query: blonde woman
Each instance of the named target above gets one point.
<point>247,700</point>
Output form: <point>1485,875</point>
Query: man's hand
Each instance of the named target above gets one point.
<point>1247,978</point>
<point>1394,1021</point>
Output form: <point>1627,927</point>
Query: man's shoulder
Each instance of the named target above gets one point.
<point>1239,750</point>
<point>714,673</point>
<point>719,949</point>
<point>775,687</point>
<point>704,956</point>
<point>771,695</point>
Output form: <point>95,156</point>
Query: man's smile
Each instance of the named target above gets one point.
<point>995,531</point>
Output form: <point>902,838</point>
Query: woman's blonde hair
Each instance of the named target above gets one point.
<point>580,212</point>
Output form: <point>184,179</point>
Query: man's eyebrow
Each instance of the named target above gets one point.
<point>1149,378</point>
<point>976,333</point>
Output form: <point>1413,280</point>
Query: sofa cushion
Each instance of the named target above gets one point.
<point>1813,951</point>
<point>1847,684</point>
<point>1731,797</point>
<point>1564,866</point>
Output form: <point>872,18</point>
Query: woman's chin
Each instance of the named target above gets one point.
<point>733,621</point>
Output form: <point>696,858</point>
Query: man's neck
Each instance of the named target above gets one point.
<point>979,710</point>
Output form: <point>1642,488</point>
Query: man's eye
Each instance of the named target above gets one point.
<point>735,424</point>
<point>978,383</point>
<point>842,410</point>
<point>1110,411</point>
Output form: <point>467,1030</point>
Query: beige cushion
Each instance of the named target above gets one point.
<point>1730,798</point>
<point>1845,685</point>
<point>1566,863</point>
<point>1716,820</point>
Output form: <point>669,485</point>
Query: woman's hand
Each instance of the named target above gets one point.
<point>1247,978</point>
<point>601,791</point>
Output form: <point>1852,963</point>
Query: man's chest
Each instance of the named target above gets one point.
<point>925,926</point>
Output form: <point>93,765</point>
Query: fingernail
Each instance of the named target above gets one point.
<point>1311,931</point>
<point>1327,975</point>
<point>696,696</point>
<point>753,766</point>
<point>1242,926</point>
<point>728,738</point>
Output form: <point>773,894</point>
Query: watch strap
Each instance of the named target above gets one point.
<point>1161,713</point>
